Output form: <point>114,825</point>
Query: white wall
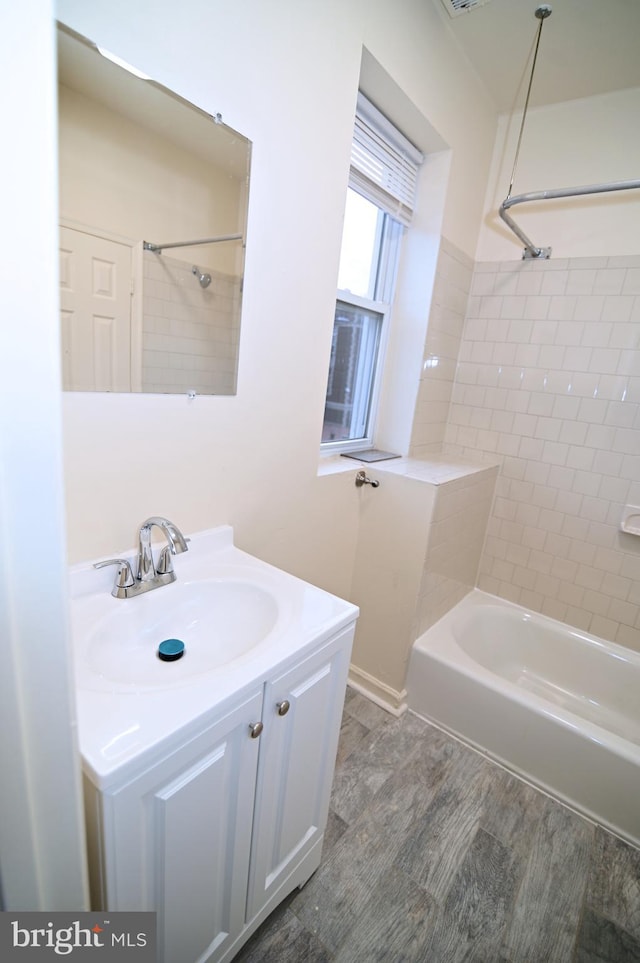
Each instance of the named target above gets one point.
<point>587,141</point>
<point>285,74</point>
<point>41,838</point>
<point>125,179</point>
<point>413,42</point>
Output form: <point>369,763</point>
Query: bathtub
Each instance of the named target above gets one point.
<point>555,705</point>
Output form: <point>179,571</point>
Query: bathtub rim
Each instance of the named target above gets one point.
<point>469,667</point>
<point>576,788</point>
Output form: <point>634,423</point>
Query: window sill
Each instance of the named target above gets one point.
<point>332,463</point>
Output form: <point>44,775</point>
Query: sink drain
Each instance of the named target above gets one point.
<point>170,650</point>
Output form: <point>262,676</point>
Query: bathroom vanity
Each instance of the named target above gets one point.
<point>207,780</point>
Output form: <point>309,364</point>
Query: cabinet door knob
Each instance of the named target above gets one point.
<point>255,729</point>
<point>283,707</point>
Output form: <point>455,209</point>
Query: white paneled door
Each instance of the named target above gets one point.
<point>95,306</point>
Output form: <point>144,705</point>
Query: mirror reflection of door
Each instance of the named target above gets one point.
<point>95,302</point>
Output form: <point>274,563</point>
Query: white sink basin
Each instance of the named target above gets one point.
<point>217,620</point>
<point>237,616</point>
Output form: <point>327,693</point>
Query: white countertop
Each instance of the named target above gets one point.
<point>125,726</point>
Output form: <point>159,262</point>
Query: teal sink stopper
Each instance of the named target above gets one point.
<point>170,650</point>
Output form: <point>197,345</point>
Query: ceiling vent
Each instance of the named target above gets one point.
<point>455,7</point>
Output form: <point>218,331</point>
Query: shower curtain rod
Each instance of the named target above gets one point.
<point>158,248</point>
<point>530,250</point>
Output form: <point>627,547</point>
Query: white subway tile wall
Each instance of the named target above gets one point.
<point>454,272</point>
<point>548,382</point>
<point>190,334</point>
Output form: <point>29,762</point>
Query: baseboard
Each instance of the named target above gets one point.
<point>383,695</point>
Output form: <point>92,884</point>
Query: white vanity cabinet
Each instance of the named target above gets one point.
<point>216,834</point>
<point>302,715</point>
<point>176,839</point>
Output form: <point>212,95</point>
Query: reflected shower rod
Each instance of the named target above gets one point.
<point>159,248</point>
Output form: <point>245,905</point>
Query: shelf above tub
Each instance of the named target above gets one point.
<point>630,521</point>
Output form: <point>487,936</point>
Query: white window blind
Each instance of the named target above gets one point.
<point>384,164</point>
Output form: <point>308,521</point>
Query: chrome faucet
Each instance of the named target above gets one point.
<point>176,544</point>
<point>148,575</point>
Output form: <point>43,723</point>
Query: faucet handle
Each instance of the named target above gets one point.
<point>124,577</point>
<point>165,563</point>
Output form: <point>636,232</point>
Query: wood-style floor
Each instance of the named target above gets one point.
<point>435,854</point>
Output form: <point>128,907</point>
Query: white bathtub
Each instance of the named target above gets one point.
<point>555,705</point>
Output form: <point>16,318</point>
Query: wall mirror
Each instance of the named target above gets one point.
<point>143,171</point>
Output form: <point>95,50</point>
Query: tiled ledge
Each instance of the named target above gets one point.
<point>435,470</point>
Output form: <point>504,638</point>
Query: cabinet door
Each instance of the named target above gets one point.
<point>177,839</point>
<point>297,759</point>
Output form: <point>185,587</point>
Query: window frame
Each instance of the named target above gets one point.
<point>365,402</point>
<point>390,235</point>
<point>384,170</point>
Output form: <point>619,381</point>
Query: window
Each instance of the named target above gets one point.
<point>368,262</point>
<point>379,203</point>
